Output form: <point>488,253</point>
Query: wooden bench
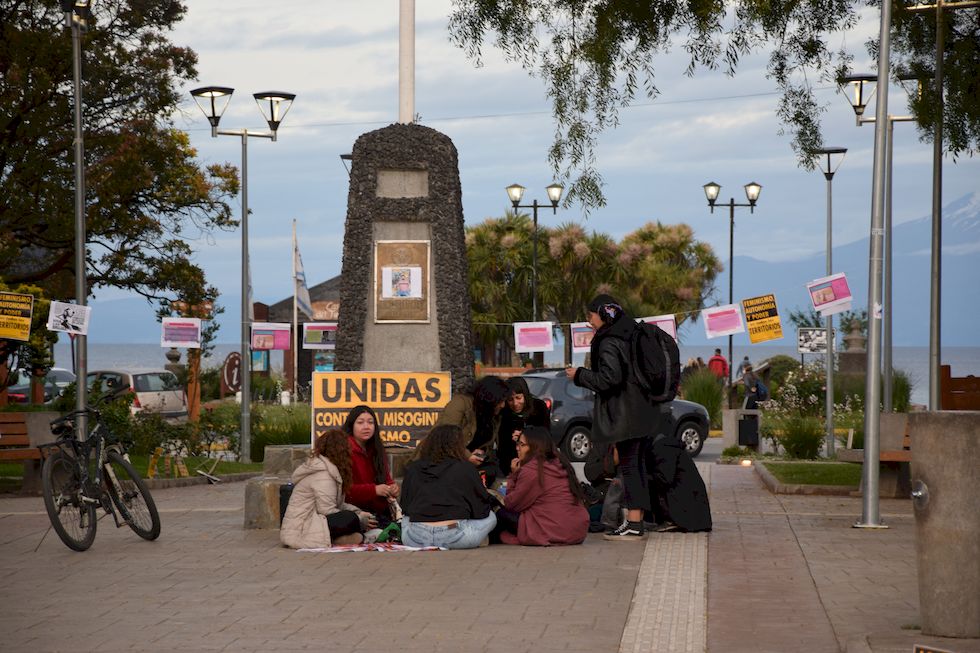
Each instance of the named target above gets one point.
<point>15,444</point>
<point>958,392</point>
<point>894,454</point>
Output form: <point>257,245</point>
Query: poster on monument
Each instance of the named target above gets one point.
<point>401,281</point>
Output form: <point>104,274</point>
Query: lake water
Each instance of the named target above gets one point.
<point>913,360</point>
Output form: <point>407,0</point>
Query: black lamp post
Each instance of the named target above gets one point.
<point>711,191</point>
<point>831,158</point>
<point>77,15</point>
<point>213,100</point>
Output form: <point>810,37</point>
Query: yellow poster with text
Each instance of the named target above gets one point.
<point>407,403</point>
<point>15,316</point>
<point>762,319</point>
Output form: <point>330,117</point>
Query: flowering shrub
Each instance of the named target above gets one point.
<point>793,415</point>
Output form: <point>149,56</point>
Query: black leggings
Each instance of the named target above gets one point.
<point>632,465</point>
<point>343,522</point>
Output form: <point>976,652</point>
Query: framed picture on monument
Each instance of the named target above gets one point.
<point>401,281</point>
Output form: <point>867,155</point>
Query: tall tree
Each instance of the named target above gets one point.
<point>147,196</point>
<point>597,56</point>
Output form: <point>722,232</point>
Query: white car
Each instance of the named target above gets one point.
<point>156,391</point>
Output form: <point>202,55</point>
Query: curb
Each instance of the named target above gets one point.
<point>187,481</point>
<point>776,487</point>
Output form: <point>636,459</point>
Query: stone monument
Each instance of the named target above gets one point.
<point>404,300</point>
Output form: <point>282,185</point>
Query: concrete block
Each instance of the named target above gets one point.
<point>282,459</point>
<point>262,502</point>
<point>946,475</point>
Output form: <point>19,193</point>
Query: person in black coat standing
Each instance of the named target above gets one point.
<point>622,414</point>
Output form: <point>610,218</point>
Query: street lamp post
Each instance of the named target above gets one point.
<point>516,192</point>
<point>859,101</point>
<point>711,191</point>
<point>213,100</point>
<point>77,14</point>
<point>829,167</point>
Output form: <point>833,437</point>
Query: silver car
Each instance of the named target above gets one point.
<point>155,391</point>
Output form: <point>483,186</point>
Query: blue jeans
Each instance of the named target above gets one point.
<point>466,534</point>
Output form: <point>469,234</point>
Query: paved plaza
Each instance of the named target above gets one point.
<point>778,573</point>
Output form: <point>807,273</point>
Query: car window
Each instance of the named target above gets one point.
<point>60,376</point>
<point>536,385</point>
<point>578,392</point>
<point>155,382</point>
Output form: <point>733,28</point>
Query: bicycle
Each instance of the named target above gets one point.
<point>75,483</point>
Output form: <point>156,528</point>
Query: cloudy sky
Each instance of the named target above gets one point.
<point>340,58</point>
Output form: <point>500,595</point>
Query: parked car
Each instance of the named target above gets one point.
<point>156,391</point>
<point>55,382</point>
<point>571,414</point>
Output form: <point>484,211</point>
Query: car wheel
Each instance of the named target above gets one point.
<point>577,444</point>
<point>692,435</point>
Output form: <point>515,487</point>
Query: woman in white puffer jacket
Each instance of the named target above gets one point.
<point>318,514</point>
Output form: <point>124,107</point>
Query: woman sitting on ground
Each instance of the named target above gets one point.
<point>522,410</point>
<point>544,504</point>
<point>372,488</point>
<point>318,515</point>
<point>443,499</point>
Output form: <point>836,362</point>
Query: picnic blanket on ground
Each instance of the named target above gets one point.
<point>376,546</point>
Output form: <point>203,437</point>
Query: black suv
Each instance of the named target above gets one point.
<point>571,414</point>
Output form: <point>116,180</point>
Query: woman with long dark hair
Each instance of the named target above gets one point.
<point>544,504</point>
<point>443,498</point>
<point>318,515</point>
<point>622,414</point>
<point>477,414</point>
<point>372,487</point>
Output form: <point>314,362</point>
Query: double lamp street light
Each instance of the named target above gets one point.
<point>711,191</point>
<point>516,193</point>
<point>213,100</point>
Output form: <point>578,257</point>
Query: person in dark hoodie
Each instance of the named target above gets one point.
<point>522,410</point>
<point>622,413</point>
<point>477,413</point>
<point>443,499</point>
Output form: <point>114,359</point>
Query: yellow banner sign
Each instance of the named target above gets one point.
<point>762,318</point>
<point>407,403</point>
<point>15,315</point>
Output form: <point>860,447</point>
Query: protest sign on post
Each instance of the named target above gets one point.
<point>830,295</point>
<point>69,318</point>
<point>812,340</point>
<point>320,335</point>
<point>270,335</point>
<point>762,319</point>
<point>15,315</point>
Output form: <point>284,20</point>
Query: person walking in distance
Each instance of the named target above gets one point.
<point>622,414</point>
<point>719,365</point>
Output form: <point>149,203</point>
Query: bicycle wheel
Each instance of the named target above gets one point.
<point>72,518</point>
<point>131,497</point>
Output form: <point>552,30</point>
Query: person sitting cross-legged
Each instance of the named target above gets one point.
<point>544,504</point>
<point>443,498</point>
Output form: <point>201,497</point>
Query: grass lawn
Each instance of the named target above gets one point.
<point>807,473</point>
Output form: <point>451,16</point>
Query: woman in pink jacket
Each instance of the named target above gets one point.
<point>544,504</point>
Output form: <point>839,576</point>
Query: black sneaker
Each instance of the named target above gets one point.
<point>628,530</point>
<point>667,527</point>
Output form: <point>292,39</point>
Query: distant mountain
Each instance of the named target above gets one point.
<point>911,263</point>
<point>133,320</point>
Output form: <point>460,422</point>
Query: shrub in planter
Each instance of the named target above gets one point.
<point>801,436</point>
<point>702,387</point>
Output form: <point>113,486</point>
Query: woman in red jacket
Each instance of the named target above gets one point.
<point>372,487</point>
<point>544,504</point>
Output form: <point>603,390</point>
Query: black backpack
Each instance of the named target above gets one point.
<point>656,362</point>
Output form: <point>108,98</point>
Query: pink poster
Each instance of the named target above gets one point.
<point>830,294</point>
<point>533,336</point>
<point>722,321</point>
<point>270,335</point>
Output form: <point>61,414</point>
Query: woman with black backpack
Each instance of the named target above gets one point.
<point>623,414</point>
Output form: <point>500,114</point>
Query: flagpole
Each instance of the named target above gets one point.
<point>295,338</point>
